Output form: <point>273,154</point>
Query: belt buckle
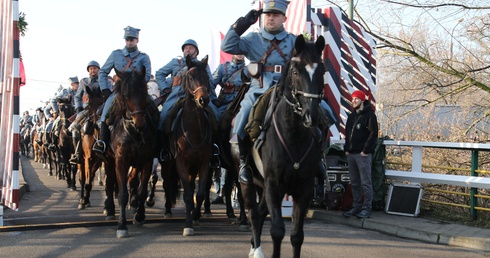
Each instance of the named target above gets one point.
<point>277,68</point>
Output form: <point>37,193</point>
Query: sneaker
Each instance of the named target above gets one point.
<point>352,212</point>
<point>364,214</point>
<point>218,200</point>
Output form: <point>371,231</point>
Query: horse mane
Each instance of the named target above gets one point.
<point>131,85</point>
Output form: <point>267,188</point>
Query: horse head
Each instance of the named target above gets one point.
<point>303,84</point>
<point>95,99</point>
<point>131,97</point>
<point>195,81</point>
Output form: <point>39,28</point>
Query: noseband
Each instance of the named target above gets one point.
<point>295,104</point>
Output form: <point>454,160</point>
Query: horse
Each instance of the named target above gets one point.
<point>25,140</point>
<point>191,143</point>
<point>65,145</point>
<point>133,147</point>
<point>90,160</point>
<point>289,158</point>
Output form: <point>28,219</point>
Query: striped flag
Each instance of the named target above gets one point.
<point>296,17</point>
<point>217,56</point>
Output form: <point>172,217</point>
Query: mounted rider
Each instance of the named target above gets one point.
<point>128,58</point>
<point>171,89</point>
<point>81,103</point>
<point>268,51</point>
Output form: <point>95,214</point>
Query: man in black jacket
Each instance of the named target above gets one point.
<point>361,136</point>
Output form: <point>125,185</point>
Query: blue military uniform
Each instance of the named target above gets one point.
<point>228,76</point>
<point>118,60</point>
<point>176,67</point>
<point>121,60</point>
<point>253,46</point>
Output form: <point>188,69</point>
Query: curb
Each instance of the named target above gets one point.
<point>478,243</point>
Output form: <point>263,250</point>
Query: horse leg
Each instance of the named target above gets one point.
<point>72,174</point>
<point>300,207</point>
<point>150,201</point>
<point>83,179</point>
<point>189,205</point>
<point>110,183</point>
<point>273,199</point>
<point>227,191</point>
<point>249,192</point>
<point>207,202</point>
<point>122,179</point>
<point>170,187</point>
<point>205,182</point>
<point>133,190</point>
<point>139,217</point>
<point>244,226</point>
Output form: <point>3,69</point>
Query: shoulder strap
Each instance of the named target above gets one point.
<point>274,45</point>
<point>130,61</point>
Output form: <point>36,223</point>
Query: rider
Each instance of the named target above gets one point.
<point>276,45</point>
<point>229,76</point>
<point>173,88</point>
<point>26,121</point>
<point>51,111</point>
<point>127,59</point>
<point>81,102</point>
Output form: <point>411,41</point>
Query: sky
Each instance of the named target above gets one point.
<point>64,35</point>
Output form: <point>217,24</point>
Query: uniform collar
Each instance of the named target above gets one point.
<point>126,52</point>
<point>279,36</point>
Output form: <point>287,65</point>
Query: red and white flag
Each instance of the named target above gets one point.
<point>217,56</point>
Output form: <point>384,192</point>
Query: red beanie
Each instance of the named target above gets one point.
<point>359,94</point>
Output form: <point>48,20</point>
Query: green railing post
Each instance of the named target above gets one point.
<point>474,191</point>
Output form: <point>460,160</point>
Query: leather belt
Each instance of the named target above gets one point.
<point>272,68</point>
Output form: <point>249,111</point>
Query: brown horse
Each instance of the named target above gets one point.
<point>133,146</point>
<point>90,160</point>
<point>66,171</point>
<point>191,141</point>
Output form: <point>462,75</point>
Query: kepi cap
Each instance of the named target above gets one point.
<point>275,6</point>
<point>131,32</point>
<point>358,94</point>
<point>73,79</point>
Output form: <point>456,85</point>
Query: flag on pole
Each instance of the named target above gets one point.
<point>217,56</point>
<point>296,17</point>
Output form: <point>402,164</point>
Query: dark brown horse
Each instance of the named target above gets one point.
<point>133,147</point>
<point>291,151</point>
<point>66,171</point>
<point>191,141</point>
<point>91,162</point>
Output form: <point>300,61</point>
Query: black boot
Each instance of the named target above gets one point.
<point>51,141</point>
<point>215,161</point>
<point>245,173</point>
<point>39,139</point>
<point>100,145</point>
<point>75,157</point>
<point>165,154</point>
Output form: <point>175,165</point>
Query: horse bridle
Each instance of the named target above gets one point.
<point>296,105</point>
<point>194,91</point>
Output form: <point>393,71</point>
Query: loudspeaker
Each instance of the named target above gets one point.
<point>404,199</point>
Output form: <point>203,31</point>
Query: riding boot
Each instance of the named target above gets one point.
<point>39,139</point>
<point>245,173</point>
<point>164,152</point>
<point>101,144</point>
<point>215,161</point>
<point>75,157</point>
<point>50,141</point>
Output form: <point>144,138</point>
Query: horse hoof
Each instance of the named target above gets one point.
<point>44,165</point>
<point>110,217</point>
<point>73,188</point>
<point>188,232</point>
<point>207,215</point>
<point>243,228</point>
<point>258,252</point>
<point>88,205</point>
<point>168,216</point>
<point>150,202</point>
<point>137,222</point>
<point>122,233</point>
<point>81,206</point>
<point>195,223</point>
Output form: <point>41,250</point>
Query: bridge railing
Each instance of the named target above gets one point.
<point>416,173</point>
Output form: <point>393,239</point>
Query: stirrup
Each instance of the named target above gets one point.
<point>99,146</point>
<point>74,160</point>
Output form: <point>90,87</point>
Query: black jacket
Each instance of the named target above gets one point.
<point>361,130</point>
